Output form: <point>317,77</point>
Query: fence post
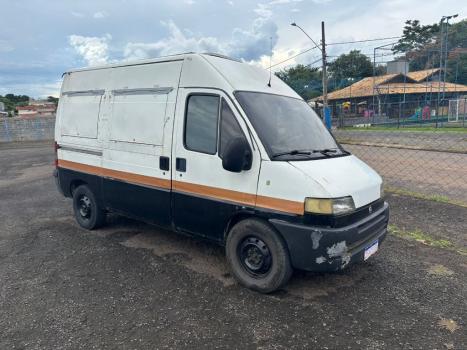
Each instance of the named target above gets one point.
<point>463,119</point>
<point>7,129</point>
<point>399,114</point>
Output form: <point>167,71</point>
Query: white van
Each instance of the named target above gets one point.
<point>212,147</point>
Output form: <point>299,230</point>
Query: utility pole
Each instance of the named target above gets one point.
<point>325,76</point>
<point>326,112</point>
<point>446,51</point>
<point>442,67</point>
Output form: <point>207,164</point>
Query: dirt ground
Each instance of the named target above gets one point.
<point>133,286</point>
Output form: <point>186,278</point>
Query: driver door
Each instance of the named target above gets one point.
<point>204,194</point>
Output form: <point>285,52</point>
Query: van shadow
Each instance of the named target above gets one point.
<point>208,259</point>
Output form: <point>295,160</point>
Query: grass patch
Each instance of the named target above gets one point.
<point>421,237</point>
<point>429,197</point>
<point>408,129</point>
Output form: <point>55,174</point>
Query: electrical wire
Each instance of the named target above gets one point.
<point>309,64</point>
<point>292,57</point>
<point>363,41</point>
<point>339,43</point>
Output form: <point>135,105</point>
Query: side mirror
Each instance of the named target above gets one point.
<point>237,155</point>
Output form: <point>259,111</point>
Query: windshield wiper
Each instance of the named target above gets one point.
<point>292,153</point>
<point>326,151</point>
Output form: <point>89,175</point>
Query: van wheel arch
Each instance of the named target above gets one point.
<point>75,184</point>
<point>235,219</point>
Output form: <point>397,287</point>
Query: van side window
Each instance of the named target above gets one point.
<point>230,129</point>
<point>202,113</point>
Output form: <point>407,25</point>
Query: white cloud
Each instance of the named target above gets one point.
<point>94,50</point>
<point>263,10</point>
<point>248,44</point>
<point>190,2</point>
<point>5,46</point>
<point>176,42</point>
<point>77,14</point>
<point>230,2</point>
<point>100,15</point>
<point>279,2</point>
<point>255,42</point>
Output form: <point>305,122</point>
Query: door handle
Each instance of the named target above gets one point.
<point>180,164</point>
<point>164,163</point>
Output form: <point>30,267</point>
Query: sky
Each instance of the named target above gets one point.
<point>41,39</point>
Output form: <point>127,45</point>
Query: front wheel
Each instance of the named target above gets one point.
<point>258,256</point>
<point>87,211</point>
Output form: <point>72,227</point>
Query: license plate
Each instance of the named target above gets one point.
<point>369,251</point>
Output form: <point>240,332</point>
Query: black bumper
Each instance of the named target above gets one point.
<point>316,248</point>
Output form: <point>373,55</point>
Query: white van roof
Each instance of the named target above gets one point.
<point>211,70</point>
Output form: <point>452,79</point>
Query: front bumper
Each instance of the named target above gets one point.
<point>316,248</point>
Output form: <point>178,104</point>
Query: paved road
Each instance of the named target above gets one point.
<point>430,173</point>
<point>132,286</point>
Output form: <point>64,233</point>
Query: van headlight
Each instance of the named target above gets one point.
<point>334,206</point>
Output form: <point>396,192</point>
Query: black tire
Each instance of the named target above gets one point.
<point>253,238</point>
<point>88,213</point>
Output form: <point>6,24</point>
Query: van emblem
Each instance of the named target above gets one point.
<point>370,209</point>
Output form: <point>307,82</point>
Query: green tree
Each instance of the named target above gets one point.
<point>52,99</point>
<point>9,105</point>
<point>349,68</point>
<point>457,69</point>
<point>17,98</point>
<point>415,36</point>
<point>306,81</point>
<point>420,45</point>
<point>11,101</point>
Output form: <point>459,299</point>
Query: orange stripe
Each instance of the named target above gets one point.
<point>285,205</point>
<point>219,193</point>
<point>115,174</point>
<point>136,178</point>
<point>90,169</point>
<point>278,204</point>
<point>241,197</point>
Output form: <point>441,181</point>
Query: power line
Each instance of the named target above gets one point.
<point>339,43</point>
<point>312,63</point>
<point>363,41</point>
<point>367,54</point>
<point>291,58</point>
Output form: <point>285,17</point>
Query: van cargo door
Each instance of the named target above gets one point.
<point>139,140</point>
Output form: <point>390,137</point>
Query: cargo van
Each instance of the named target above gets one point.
<point>208,146</point>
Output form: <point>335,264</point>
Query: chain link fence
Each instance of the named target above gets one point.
<point>420,149</point>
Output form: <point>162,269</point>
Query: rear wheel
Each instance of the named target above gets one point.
<point>258,256</point>
<point>88,213</point>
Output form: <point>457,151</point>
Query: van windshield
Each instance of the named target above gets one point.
<point>288,128</point>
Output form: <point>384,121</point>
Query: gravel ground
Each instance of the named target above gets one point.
<point>133,286</point>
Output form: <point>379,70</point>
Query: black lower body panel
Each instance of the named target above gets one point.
<point>147,203</point>
<point>316,248</point>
